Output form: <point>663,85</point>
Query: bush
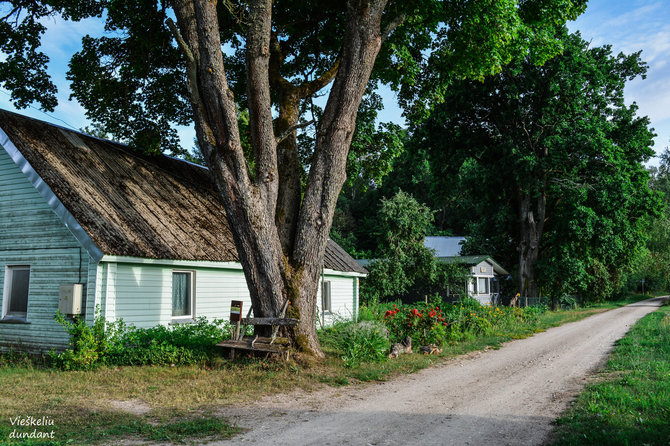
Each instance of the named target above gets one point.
<point>183,344</point>
<point>426,326</point>
<point>567,302</point>
<point>116,343</point>
<point>88,344</point>
<point>360,342</point>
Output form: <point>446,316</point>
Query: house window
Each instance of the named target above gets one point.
<point>182,294</point>
<point>326,305</point>
<point>17,280</point>
<point>483,285</point>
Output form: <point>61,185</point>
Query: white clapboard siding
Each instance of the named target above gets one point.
<point>32,234</point>
<point>142,294</point>
<point>483,269</point>
<point>343,301</point>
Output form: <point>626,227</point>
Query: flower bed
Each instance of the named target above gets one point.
<point>440,323</point>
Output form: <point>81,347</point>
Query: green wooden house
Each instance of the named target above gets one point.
<point>143,238</point>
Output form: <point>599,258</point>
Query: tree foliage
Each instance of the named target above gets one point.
<point>542,167</point>
<point>654,265</point>
<point>404,266</point>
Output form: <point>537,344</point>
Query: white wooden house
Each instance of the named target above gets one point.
<point>145,237</point>
<point>485,273</point>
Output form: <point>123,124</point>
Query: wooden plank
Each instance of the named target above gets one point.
<point>284,322</point>
<point>244,345</point>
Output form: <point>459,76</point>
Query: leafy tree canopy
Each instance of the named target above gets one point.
<point>542,165</point>
<point>132,81</point>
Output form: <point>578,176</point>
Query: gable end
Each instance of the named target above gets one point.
<point>51,199</point>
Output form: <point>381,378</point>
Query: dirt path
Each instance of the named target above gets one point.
<point>497,397</point>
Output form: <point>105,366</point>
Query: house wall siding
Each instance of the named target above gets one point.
<point>32,234</point>
<point>343,301</point>
<point>485,270</point>
<point>143,293</point>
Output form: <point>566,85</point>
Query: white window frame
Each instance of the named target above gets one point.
<point>189,317</point>
<point>488,285</point>
<point>327,303</point>
<point>9,276</point>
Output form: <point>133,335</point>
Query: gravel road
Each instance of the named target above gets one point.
<point>508,396</point>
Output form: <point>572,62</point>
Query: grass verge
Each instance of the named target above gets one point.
<point>180,404</point>
<point>629,403</point>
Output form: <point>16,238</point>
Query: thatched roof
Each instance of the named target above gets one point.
<point>131,204</point>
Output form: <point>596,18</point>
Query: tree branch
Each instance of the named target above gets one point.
<point>311,87</point>
<point>291,129</point>
<point>260,105</point>
<point>190,59</point>
<point>388,30</point>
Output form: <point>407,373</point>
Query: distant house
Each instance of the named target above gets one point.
<point>143,238</point>
<point>485,273</point>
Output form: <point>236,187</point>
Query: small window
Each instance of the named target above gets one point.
<point>16,292</point>
<point>326,306</point>
<point>182,294</point>
<point>483,285</point>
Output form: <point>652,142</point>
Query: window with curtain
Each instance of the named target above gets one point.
<point>181,294</point>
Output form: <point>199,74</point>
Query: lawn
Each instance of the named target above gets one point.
<point>180,404</point>
<point>629,402</point>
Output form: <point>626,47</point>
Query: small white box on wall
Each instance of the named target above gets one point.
<point>69,299</point>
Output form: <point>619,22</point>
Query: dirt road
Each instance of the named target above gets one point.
<point>498,397</point>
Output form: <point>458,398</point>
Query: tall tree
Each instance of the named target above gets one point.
<point>655,265</point>
<point>548,163</point>
<point>139,81</point>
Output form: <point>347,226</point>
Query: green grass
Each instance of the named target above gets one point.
<point>629,403</point>
<point>112,426</point>
<point>182,402</point>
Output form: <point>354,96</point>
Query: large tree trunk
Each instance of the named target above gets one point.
<point>531,226</point>
<point>281,254</point>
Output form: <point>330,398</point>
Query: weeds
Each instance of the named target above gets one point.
<point>365,341</point>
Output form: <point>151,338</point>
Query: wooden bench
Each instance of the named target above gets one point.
<point>260,344</point>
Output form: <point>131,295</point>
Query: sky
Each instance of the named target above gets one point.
<point>627,25</point>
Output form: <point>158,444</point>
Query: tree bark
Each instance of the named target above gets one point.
<point>281,254</point>
<point>531,227</point>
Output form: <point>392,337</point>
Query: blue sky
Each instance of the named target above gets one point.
<point>627,25</point>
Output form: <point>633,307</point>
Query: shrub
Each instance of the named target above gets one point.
<point>164,345</point>
<point>567,302</point>
<point>120,344</point>
<point>427,325</point>
<point>88,344</point>
<point>360,342</point>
